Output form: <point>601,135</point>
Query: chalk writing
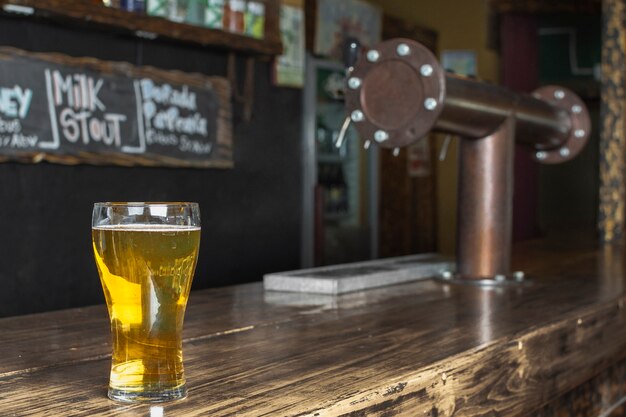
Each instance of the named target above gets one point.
<point>171,116</point>
<point>78,91</point>
<point>19,141</point>
<point>108,113</point>
<point>15,101</point>
<point>10,126</point>
<point>78,111</point>
<point>195,146</point>
<point>166,94</point>
<point>15,104</point>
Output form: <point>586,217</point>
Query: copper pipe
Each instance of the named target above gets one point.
<point>475,109</point>
<point>485,203</point>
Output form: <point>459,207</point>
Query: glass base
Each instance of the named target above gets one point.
<point>147,396</point>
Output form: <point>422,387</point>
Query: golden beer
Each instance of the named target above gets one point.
<point>146,272</point>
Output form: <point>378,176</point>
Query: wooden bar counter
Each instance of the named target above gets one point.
<point>552,347</point>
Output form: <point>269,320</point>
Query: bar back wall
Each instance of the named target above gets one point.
<point>250,214</point>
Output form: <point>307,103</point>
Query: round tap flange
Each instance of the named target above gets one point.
<point>580,124</point>
<point>400,93</point>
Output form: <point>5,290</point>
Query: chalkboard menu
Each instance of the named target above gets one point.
<point>82,110</point>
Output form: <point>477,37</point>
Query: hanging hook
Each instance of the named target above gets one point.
<point>342,132</point>
<point>443,153</point>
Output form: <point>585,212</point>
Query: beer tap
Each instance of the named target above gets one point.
<point>351,51</point>
<point>398,92</point>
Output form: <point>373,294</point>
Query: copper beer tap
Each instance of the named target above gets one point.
<point>398,92</point>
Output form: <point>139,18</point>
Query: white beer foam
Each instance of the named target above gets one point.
<point>147,227</point>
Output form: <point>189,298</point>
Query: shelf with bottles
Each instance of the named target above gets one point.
<point>189,21</point>
<point>327,150</point>
<point>330,158</point>
<point>330,117</point>
<point>330,176</point>
<point>337,167</point>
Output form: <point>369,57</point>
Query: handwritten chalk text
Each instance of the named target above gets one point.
<point>15,101</point>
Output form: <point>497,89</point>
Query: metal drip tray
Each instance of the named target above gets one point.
<point>340,279</point>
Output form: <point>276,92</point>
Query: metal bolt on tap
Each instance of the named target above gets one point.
<point>430,104</point>
<point>559,94</point>
<point>579,133</point>
<point>354,83</point>
<point>357,116</point>
<point>446,274</point>
<point>541,155</point>
<point>519,276</point>
<point>396,151</point>
<point>577,109</point>
<point>381,136</point>
<point>426,70</point>
<point>403,49</point>
<point>373,55</point>
<point>564,152</point>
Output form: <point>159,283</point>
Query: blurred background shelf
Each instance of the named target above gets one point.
<point>95,15</point>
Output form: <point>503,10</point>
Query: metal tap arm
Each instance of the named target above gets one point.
<point>398,92</point>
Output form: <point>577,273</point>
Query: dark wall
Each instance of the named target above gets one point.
<point>568,193</point>
<point>250,214</point>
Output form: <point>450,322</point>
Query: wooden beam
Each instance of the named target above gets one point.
<point>612,140</point>
<point>546,6</point>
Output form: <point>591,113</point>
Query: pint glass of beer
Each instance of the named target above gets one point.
<point>146,256</point>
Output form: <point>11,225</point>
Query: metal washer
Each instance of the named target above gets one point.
<point>508,280</point>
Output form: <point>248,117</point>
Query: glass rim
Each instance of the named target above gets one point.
<point>145,204</point>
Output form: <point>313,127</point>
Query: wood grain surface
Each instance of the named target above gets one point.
<point>545,6</point>
<point>602,396</point>
<point>419,349</point>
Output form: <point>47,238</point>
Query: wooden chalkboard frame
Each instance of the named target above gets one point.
<point>88,13</point>
<point>220,86</point>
